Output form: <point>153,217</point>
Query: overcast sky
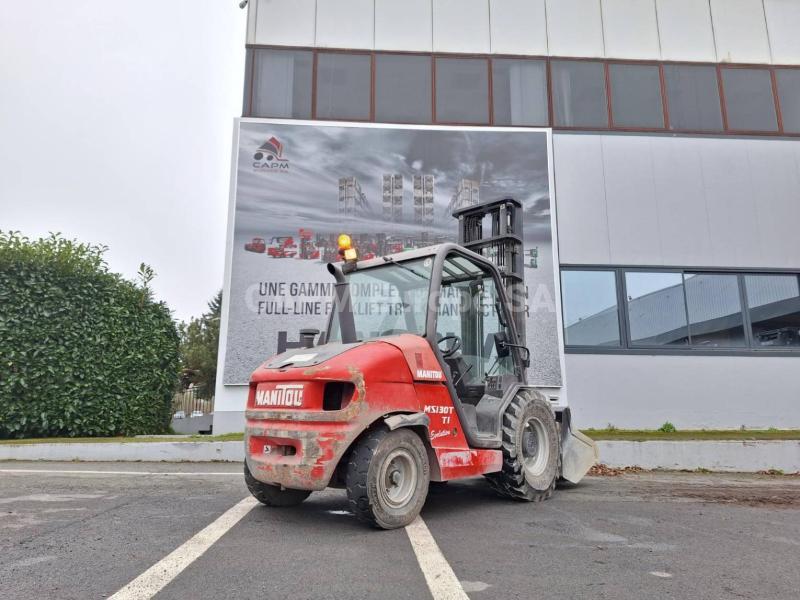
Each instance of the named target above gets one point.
<point>116,121</point>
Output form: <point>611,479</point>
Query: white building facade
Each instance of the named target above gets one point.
<point>676,155</point>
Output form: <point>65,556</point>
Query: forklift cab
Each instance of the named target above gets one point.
<point>455,299</point>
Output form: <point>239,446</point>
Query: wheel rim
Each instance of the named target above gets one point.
<point>535,449</point>
<point>398,478</point>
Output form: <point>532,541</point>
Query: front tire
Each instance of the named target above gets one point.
<point>273,495</point>
<point>387,478</point>
<point>531,450</point>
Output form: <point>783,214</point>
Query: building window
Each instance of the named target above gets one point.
<point>579,93</point>
<point>715,310</point>
<point>748,99</point>
<point>618,309</point>
<point>519,92</point>
<point>343,86</point>
<point>591,315</point>
<point>462,90</point>
<point>403,88</point>
<point>282,84</point>
<point>636,96</point>
<point>656,309</point>
<point>774,305</point>
<point>693,97</point>
<point>789,96</point>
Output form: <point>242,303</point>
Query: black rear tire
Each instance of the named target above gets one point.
<point>531,450</point>
<point>273,495</point>
<point>387,478</point>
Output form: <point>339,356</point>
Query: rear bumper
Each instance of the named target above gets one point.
<point>296,453</point>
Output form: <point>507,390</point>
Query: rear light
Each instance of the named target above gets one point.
<point>337,395</point>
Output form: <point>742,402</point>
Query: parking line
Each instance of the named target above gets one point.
<point>154,579</point>
<point>98,472</point>
<point>439,575</point>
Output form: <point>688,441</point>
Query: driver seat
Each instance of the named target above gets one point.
<point>459,372</point>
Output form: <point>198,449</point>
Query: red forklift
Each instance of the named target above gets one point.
<point>257,245</point>
<point>282,247</point>
<point>420,376</point>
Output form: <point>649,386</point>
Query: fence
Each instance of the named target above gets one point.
<point>190,403</point>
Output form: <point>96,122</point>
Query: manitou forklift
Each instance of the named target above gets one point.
<point>420,376</point>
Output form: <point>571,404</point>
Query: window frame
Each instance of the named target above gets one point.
<point>627,347</point>
<point>248,98</point>
<point>662,90</point>
<point>315,87</point>
<point>773,90</point>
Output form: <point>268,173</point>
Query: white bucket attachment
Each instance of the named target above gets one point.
<point>578,455</point>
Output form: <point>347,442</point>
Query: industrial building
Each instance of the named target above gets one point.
<point>352,201</point>
<point>676,164</point>
<point>423,187</point>
<point>393,198</point>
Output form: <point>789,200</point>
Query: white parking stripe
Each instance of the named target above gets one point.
<point>149,583</point>
<point>96,472</point>
<point>442,581</point>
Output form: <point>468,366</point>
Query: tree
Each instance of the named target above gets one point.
<point>83,352</point>
<point>199,345</point>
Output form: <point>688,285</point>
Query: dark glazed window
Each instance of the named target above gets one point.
<point>636,96</point>
<point>715,310</point>
<point>591,315</point>
<point>774,303</point>
<point>462,90</point>
<point>343,86</point>
<point>403,88</point>
<point>282,84</point>
<point>579,93</point>
<point>789,96</point>
<point>656,309</point>
<point>519,92</point>
<point>748,99</point>
<point>693,97</point>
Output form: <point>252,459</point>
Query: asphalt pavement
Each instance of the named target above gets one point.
<point>79,530</point>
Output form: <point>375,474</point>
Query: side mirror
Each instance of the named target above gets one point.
<point>501,344</point>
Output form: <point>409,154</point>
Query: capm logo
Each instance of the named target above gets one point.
<point>269,156</point>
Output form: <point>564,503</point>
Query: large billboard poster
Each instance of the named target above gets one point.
<point>300,184</point>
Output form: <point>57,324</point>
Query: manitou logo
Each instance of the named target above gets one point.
<point>284,394</point>
<point>428,374</point>
<point>269,156</point>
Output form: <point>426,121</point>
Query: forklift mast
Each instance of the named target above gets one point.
<point>494,230</point>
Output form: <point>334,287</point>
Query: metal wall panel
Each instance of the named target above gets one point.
<point>518,27</point>
<point>678,201</point>
<point>403,25</point>
<point>685,30</point>
<point>575,28</point>
<point>630,29</point>
<point>461,26</point>
<point>633,225</point>
<point>783,26</point>
<point>692,392</point>
<point>730,203</point>
<point>346,23</point>
<point>740,31</point>
<point>776,184</point>
<point>581,200</point>
<point>285,22</point>
<point>680,195</point>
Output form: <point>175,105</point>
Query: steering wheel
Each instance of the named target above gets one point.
<point>454,347</point>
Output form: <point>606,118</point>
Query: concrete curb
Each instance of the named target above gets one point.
<point>127,452</point>
<point>741,456</point>
<point>747,456</point>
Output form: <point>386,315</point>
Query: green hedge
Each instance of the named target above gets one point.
<point>83,352</point>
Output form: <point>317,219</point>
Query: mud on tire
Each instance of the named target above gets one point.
<point>387,477</point>
<point>531,449</point>
<point>273,495</point>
